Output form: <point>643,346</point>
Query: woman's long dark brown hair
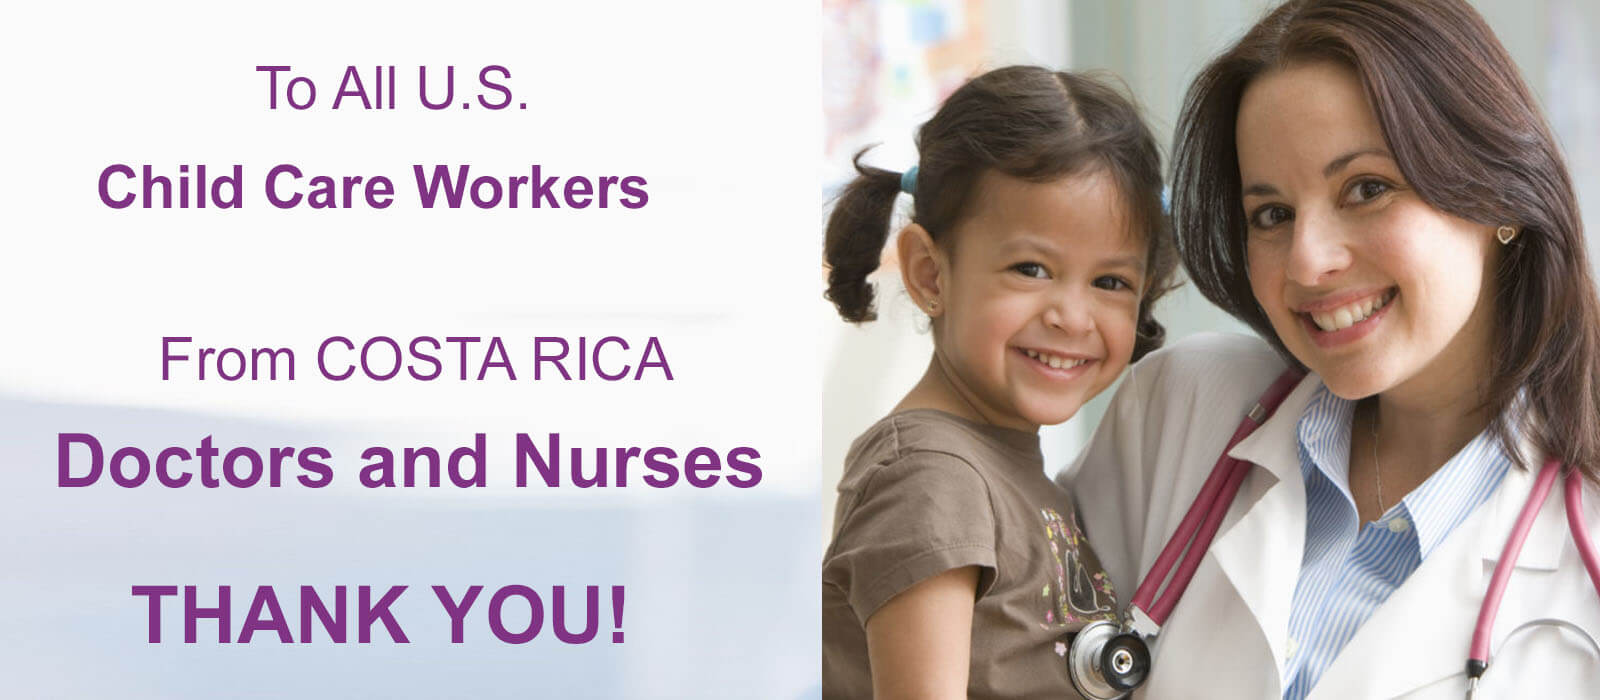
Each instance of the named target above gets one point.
<point>1022,121</point>
<point>1469,138</point>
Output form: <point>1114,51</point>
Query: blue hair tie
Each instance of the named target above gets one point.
<point>1166,201</point>
<point>908,181</point>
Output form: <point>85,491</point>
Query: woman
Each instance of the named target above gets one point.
<point>1369,185</point>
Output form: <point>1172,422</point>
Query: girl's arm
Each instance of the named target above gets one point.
<point>919,644</point>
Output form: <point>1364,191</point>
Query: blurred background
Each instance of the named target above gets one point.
<point>888,63</point>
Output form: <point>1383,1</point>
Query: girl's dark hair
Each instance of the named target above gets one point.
<point>1469,139</point>
<point>1023,121</point>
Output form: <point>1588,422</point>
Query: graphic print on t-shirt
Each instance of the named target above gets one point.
<point>1080,594</point>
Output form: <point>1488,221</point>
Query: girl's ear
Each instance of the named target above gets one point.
<point>922,268</point>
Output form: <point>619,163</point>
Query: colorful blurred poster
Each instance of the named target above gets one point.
<point>886,65</point>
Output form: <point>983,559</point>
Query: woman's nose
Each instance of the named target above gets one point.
<point>1319,250</point>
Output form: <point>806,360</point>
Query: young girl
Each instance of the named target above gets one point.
<point>1037,245</point>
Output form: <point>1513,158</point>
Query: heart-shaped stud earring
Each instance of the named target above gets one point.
<point>1504,234</point>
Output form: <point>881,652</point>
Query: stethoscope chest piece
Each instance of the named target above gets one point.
<point>1105,662</point>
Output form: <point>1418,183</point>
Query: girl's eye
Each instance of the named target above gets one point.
<point>1112,283</point>
<point>1270,216</point>
<point>1366,191</point>
<point>1031,269</point>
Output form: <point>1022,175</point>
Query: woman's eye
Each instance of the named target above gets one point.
<point>1029,269</point>
<point>1112,283</point>
<point>1270,216</point>
<point>1366,191</point>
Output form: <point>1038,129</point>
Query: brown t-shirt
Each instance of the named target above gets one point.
<point>924,492</point>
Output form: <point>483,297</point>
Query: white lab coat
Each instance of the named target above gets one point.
<point>1229,636</point>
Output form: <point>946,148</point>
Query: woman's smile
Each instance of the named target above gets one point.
<point>1334,322</point>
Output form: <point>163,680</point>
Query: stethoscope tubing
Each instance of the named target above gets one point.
<point>1192,540</point>
<point>1478,653</point>
<point>1208,530</point>
<point>1580,533</point>
<point>1199,525</point>
<point>1199,511</point>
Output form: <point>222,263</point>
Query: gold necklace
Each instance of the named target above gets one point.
<point>1377,469</point>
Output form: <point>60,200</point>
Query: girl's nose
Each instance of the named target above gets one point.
<point>1318,251</point>
<point>1069,313</point>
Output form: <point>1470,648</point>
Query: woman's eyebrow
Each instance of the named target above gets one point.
<point>1328,170</point>
<point>1259,189</point>
<point>1339,163</point>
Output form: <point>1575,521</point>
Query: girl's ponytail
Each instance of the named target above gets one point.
<point>857,231</point>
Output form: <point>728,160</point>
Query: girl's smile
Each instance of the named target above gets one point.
<point>1058,367</point>
<point>1058,361</point>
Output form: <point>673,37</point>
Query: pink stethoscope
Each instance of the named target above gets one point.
<point>1107,660</point>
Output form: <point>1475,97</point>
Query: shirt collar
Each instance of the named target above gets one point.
<point>1324,435</point>
<point>1451,493</point>
<point>1437,506</point>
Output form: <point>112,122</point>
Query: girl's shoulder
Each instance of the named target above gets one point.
<point>914,501</point>
<point>921,436</point>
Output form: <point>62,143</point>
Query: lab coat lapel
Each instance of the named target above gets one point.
<point>1549,537</point>
<point>1260,552</point>
<point>1421,633</point>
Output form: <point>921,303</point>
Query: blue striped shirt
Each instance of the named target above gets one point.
<point>1350,568</point>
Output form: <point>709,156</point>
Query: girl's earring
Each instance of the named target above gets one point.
<point>1505,234</point>
<point>933,307</point>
